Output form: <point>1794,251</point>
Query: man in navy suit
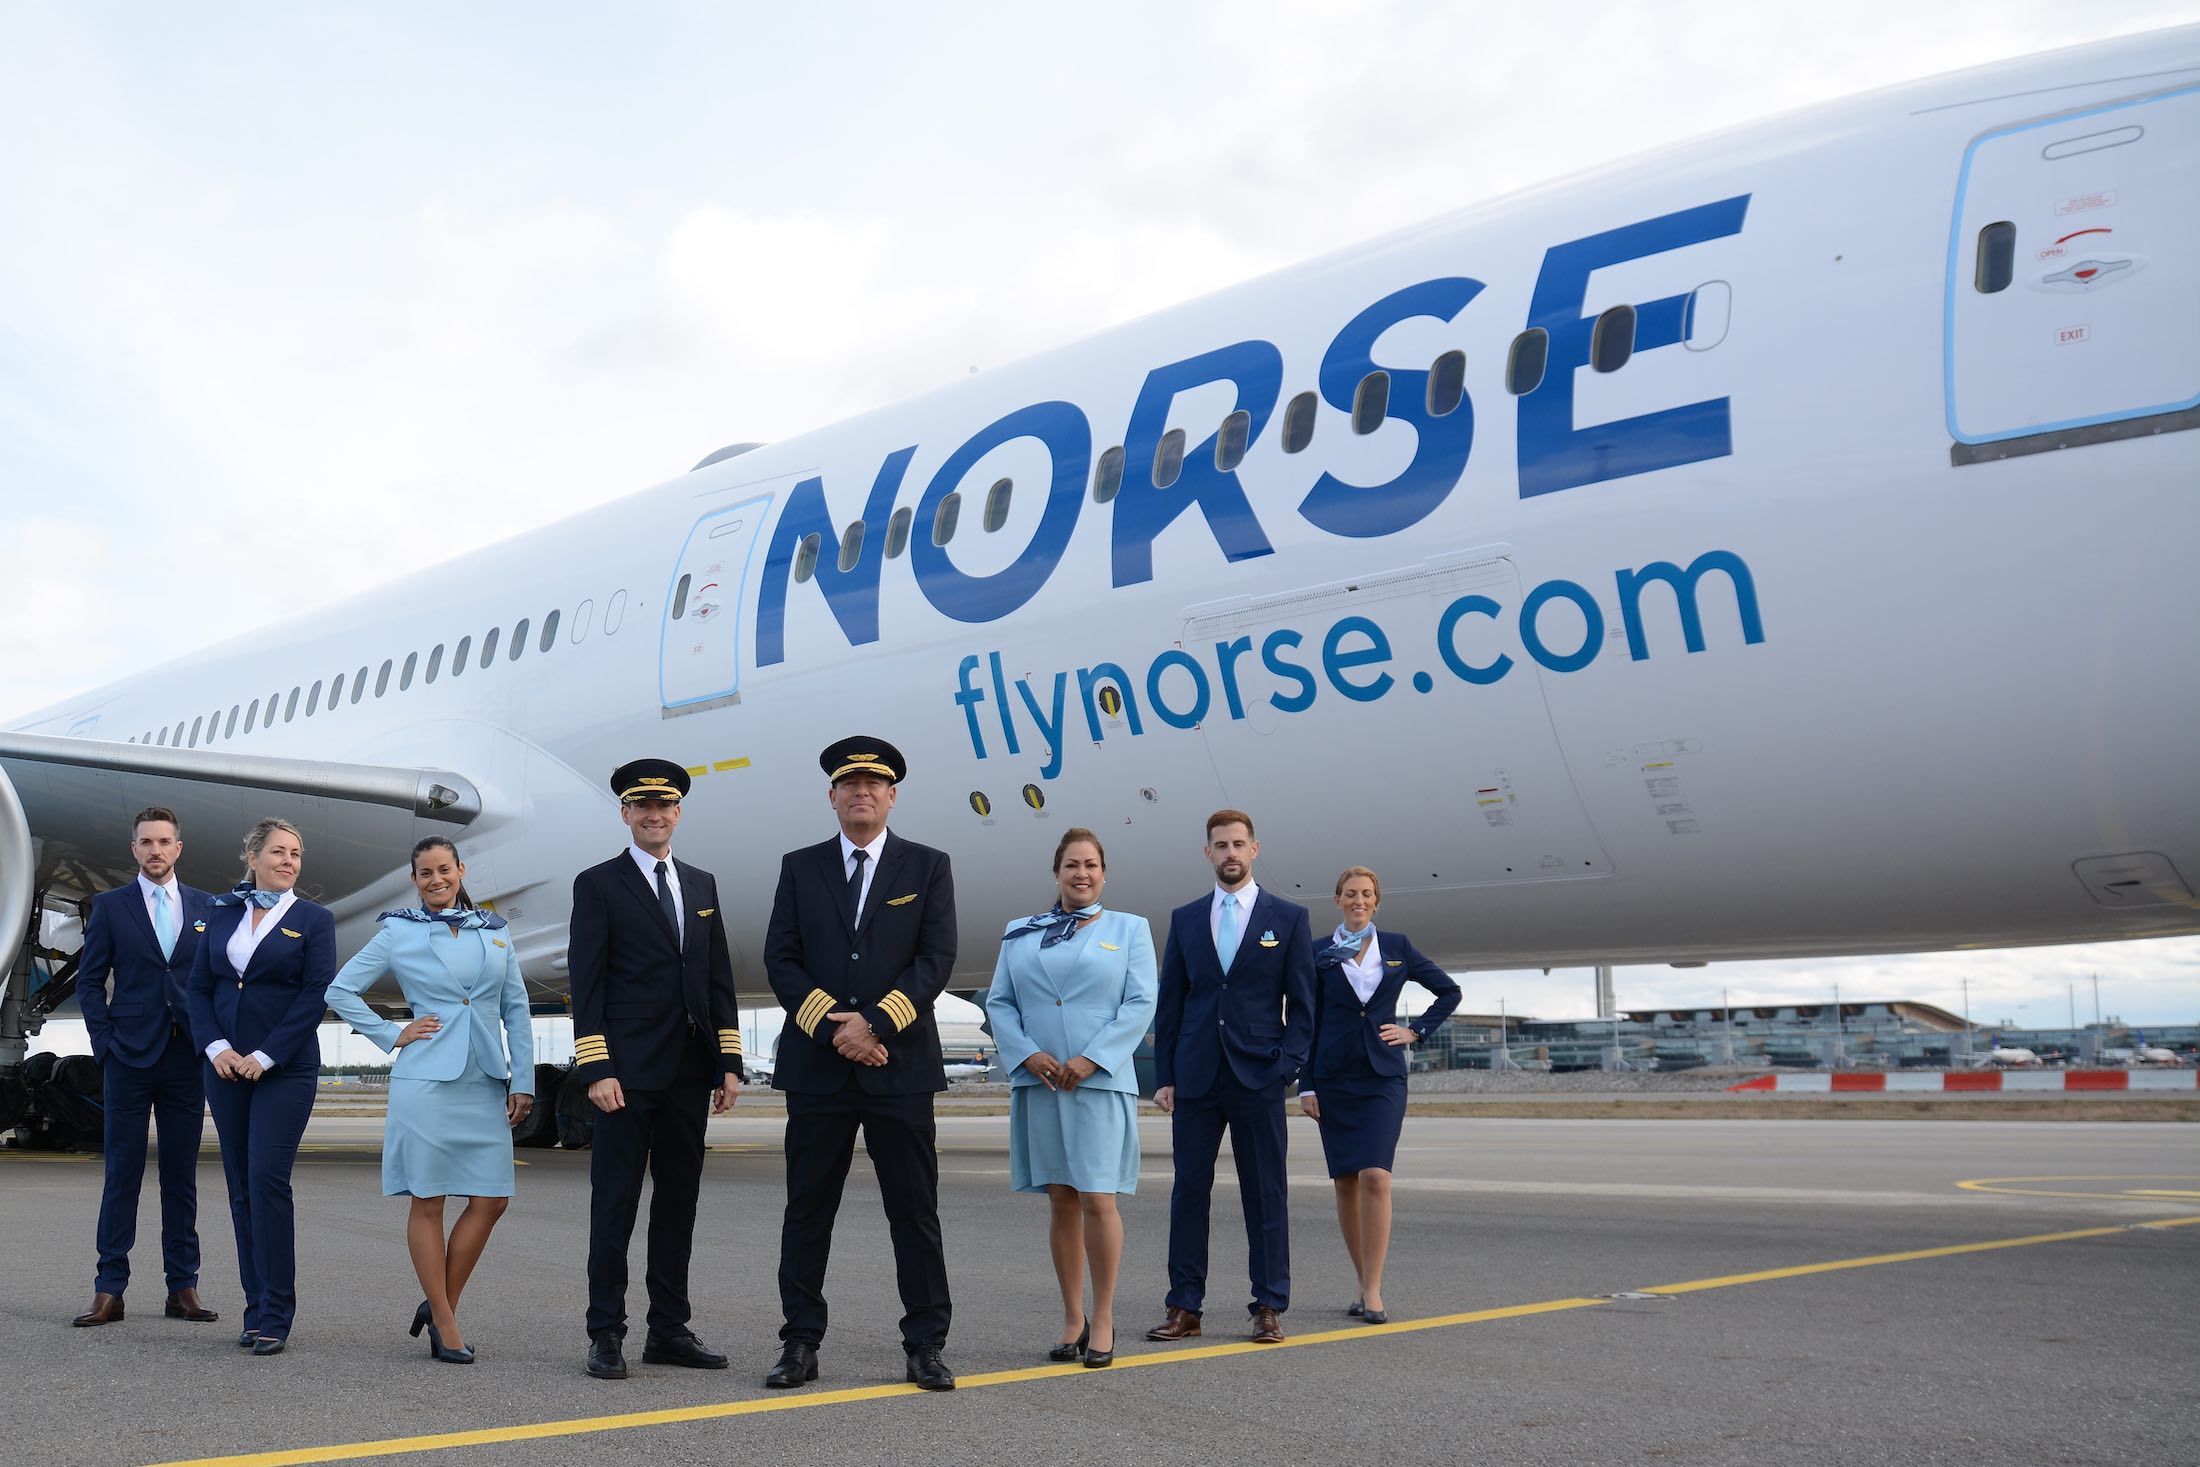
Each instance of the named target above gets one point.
<point>1231,1033</point>
<point>143,934</point>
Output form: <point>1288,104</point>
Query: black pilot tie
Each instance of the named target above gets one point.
<point>855,883</point>
<point>665,905</point>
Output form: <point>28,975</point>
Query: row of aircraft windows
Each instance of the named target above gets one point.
<point>242,718</point>
<point>1611,345</point>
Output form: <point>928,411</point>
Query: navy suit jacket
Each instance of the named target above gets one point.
<point>275,1005</point>
<point>637,990</point>
<point>1348,1041</point>
<point>132,1027</point>
<point>890,967</point>
<point>1257,1017</point>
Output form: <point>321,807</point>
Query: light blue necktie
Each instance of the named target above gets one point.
<point>164,921</point>
<point>1226,932</point>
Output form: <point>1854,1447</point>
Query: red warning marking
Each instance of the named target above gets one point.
<point>2097,229</point>
<point>2086,274</point>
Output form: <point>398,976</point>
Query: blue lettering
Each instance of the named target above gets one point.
<point>1336,661</point>
<point>1554,454</point>
<point>968,698</point>
<point>1683,583</point>
<point>1440,457</point>
<point>1228,653</point>
<point>1050,731</point>
<point>1592,634</point>
<point>1177,657</point>
<point>852,594</point>
<point>1142,509</point>
<point>1271,655</point>
<point>1068,439</point>
<point>1447,644</point>
<point>1091,679</point>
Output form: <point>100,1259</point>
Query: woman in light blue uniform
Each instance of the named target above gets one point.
<point>1072,997</point>
<point>453,1097</point>
<point>1354,1083</point>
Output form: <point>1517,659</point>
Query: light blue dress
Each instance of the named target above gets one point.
<point>1092,995</point>
<point>447,1135</point>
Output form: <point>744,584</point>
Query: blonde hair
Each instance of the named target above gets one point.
<point>255,840</point>
<point>1352,871</point>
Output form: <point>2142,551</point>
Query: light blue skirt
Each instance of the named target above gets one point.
<point>1087,1139</point>
<point>447,1138</point>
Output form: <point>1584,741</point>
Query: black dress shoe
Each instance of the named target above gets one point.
<point>1096,1359</point>
<point>606,1361</point>
<point>267,1345</point>
<point>421,1316</point>
<point>184,1304</point>
<point>927,1371</point>
<point>681,1350</point>
<point>106,1309</point>
<point>1374,1316</point>
<point>1072,1349</point>
<point>463,1355</point>
<point>247,1338</point>
<point>797,1366</point>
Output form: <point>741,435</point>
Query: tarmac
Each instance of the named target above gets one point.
<point>1560,1291</point>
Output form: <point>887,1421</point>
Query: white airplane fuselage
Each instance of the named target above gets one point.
<point>1754,646</point>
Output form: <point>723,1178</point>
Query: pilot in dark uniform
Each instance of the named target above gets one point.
<point>862,940</point>
<point>654,1030</point>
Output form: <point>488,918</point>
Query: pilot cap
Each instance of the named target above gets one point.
<point>862,754</point>
<point>649,779</point>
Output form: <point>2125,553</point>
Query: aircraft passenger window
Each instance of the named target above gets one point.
<point>213,725</point>
<point>1447,383</point>
<point>313,699</point>
<point>582,615</point>
<point>897,532</point>
<point>464,651</point>
<point>359,685</point>
<point>805,556</point>
<point>996,504</point>
<point>851,545</point>
<point>614,613</point>
<point>163,739</point>
<point>549,631</point>
<point>1612,339</point>
<point>290,709</point>
<point>251,715</point>
<point>943,523</point>
<point>1997,258</point>
<point>680,597</point>
<point>1531,351</point>
<point>1237,431</point>
<point>382,679</point>
<point>435,665</point>
<point>1107,480</point>
<point>405,678</point>
<point>1298,422</point>
<point>519,641</point>
<point>229,730</point>
<point>489,647</point>
<point>1168,458</point>
<point>1370,401</point>
<point>197,724</point>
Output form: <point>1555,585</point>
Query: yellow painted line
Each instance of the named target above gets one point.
<point>675,1415</point>
<point>725,764</point>
<point>2009,1184</point>
<point>13,1155</point>
<point>2158,1192</point>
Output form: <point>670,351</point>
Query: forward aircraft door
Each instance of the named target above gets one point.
<point>2073,301</point>
<point>1459,769</point>
<point>699,662</point>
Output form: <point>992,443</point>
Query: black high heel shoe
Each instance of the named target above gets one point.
<point>463,1355</point>
<point>1095,1359</point>
<point>421,1316</point>
<point>1074,1349</point>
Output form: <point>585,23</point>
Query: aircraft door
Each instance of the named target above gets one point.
<point>2073,304</point>
<point>699,662</point>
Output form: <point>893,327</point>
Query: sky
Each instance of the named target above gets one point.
<point>478,267</point>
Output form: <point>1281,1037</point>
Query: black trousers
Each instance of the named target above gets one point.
<point>658,1132</point>
<point>821,1138</point>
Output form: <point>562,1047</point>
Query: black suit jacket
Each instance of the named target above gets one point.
<point>133,1026</point>
<point>636,991</point>
<point>890,967</point>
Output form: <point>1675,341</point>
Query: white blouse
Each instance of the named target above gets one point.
<point>243,943</point>
<point>1365,973</point>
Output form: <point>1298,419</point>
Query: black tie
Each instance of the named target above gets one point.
<point>665,905</point>
<point>855,883</point>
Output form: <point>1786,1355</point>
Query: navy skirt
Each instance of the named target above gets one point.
<point>1361,1118</point>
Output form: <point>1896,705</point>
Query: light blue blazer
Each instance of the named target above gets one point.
<point>1092,995</point>
<point>417,955</point>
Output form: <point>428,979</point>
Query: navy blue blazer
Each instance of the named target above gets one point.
<point>1348,1041</point>
<point>275,1005</point>
<point>1258,1016</point>
<point>132,1027</point>
<point>641,995</point>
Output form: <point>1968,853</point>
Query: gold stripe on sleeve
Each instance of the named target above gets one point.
<point>896,1006</point>
<point>813,1011</point>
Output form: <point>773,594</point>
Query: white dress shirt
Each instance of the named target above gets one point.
<point>243,943</point>
<point>1244,896</point>
<point>848,849</point>
<point>648,863</point>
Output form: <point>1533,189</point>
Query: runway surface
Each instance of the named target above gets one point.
<point>1828,1292</point>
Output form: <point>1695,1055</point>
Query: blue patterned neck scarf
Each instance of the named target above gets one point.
<point>245,894</point>
<point>1058,925</point>
<point>468,919</point>
<point>1344,944</point>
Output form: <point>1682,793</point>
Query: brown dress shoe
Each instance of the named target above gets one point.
<point>184,1304</point>
<point>106,1309</point>
<point>1267,1328</point>
<point>1181,1324</point>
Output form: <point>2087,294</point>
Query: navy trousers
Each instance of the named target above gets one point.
<point>169,1093</point>
<point>260,1123</point>
<point>657,1134</point>
<point>1254,1119</point>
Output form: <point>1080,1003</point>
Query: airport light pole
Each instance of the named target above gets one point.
<point>1726,1003</point>
<point>1966,1019</point>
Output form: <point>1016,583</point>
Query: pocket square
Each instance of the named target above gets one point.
<point>288,933</point>
<point>198,926</point>
<point>901,901</point>
<point>1268,942</point>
